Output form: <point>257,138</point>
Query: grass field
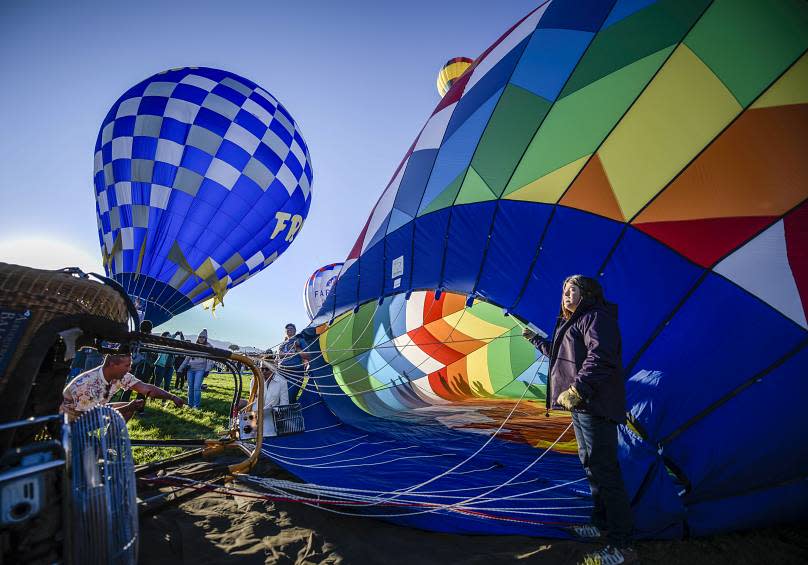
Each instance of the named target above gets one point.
<point>168,422</point>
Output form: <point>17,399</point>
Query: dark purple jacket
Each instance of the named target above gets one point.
<point>586,352</point>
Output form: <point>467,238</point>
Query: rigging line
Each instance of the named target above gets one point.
<point>436,508</point>
<point>324,464</point>
<point>370,494</point>
<point>270,454</point>
<point>470,457</point>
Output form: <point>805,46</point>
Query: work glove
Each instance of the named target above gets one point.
<point>570,399</point>
<point>528,334</point>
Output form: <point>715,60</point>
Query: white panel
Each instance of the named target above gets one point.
<point>425,388</point>
<point>415,310</point>
<point>761,267</point>
<point>433,131</point>
<point>416,355</point>
<point>505,46</point>
<point>158,196</point>
<point>123,193</point>
<point>383,207</point>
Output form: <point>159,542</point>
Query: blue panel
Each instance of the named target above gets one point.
<point>395,220</point>
<point>730,452</point>
<point>494,80</point>
<point>664,275</point>
<point>549,59</point>
<point>456,151</point>
<point>397,315</point>
<point>430,232</point>
<point>413,183</point>
<point>717,340</point>
<point>399,244</point>
<point>371,271</point>
<point>468,233</point>
<point>624,8</point>
<point>756,509</point>
<point>586,15</point>
<point>517,229</point>
<point>576,243</point>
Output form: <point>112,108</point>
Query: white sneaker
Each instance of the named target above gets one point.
<point>611,555</point>
<point>585,531</point>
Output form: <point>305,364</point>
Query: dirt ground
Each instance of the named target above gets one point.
<point>216,528</point>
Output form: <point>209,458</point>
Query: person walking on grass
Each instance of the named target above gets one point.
<point>586,378</point>
<point>198,368</point>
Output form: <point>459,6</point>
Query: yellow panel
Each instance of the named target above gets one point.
<point>477,369</point>
<point>682,109</point>
<point>791,88</point>
<point>473,326</point>
<point>550,187</point>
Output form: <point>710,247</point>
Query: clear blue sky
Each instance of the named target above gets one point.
<point>358,77</point>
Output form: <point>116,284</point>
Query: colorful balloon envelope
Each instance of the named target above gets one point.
<point>659,146</point>
<point>318,286</point>
<point>450,72</point>
<point>202,179</point>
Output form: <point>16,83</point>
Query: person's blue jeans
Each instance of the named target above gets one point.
<point>162,376</point>
<point>597,450</point>
<point>195,387</point>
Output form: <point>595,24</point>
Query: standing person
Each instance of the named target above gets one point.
<point>586,377</point>
<point>198,368</point>
<point>164,368</point>
<point>276,393</point>
<point>293,359</point>
<point>96,386</point>
<point>179,383</point>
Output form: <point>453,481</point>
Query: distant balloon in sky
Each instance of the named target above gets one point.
<point>318,286</point>
<point>450,72</point>
<point>202,179</point>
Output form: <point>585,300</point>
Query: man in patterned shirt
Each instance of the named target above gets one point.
<point>96,386</point>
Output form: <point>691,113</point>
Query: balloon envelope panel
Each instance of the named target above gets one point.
<point>202,179</point>
<point>318,286</point>
<point>622,140</point>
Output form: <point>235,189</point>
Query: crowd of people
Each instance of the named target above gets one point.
<point>95,379</point>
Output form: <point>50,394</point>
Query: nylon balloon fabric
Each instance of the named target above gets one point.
<point>202,179</point>
<point>318,286</point>
<point>658,146</point>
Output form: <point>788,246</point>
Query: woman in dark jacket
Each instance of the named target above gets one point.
<point>586,377</point>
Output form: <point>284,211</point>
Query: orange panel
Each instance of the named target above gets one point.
<point>757,167</point>
<point>592,192</point>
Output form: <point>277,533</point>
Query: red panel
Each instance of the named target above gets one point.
<point>796,228</point>
<point>705,242</point>
<point>430,345</point>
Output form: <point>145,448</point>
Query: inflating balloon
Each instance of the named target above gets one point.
<point>202,179</point>
<point>450,72</point>
<point>318,286</point>
<point>657,146</point>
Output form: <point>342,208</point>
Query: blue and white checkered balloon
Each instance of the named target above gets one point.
<point>202,179</point>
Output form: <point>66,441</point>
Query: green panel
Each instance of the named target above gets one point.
<point>748,43</point>
<point>660,25</point>
<point>515,120</point>
<point>523,354</point>
<point>499,363</point>
<point>362,333</point>
<point>474,189</point>
<point>445,198</point>
<point>516,389</point>
<point>340,340</point>
<point>578,123</point>
<point>341,380</point>
<point>492,314</point>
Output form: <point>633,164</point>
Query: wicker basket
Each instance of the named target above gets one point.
<point>45,296</point>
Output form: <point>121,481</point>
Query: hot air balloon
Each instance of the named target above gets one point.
<point>202,179</point>
<point>450,72</point>
<point>658,146</point>
<point>318,286</point>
